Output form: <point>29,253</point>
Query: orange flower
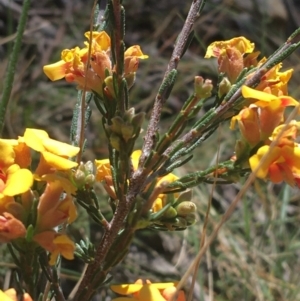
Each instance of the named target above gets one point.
<point>132,56</point>
<point>10,228</point>
<point>275,82</point>
<point>147,291</point>
<point>52,211</point>
<point>56,244</point>
<point>283,161</point>
<point>230,55</point>
<point>248,121</point>
<point>72,65</point>
<point>271,108</point>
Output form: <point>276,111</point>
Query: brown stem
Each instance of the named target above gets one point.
<point>95,274</point>
<point>173,63</point>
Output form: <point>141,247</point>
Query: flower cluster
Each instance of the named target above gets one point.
<point>148,291</point>
<point>45,190</point>
<point>74,65</point>
<point>169,211</point>
<point>261,121</point>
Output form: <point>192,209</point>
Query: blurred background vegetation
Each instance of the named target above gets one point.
<point>257,253</point>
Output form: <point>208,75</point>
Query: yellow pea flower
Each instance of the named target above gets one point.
<point>230,55</point>
<point>13,179</point>
<point>147,291</point>
<point>56,244</point>
<point>283,161</point>
<point>73,63</point>
<point>54,154</point>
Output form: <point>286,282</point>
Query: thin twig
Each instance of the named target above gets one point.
<point>173,63</point>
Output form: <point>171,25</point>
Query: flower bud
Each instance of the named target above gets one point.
<point>170,213</point>
<point>127,132</point>
<point>186,208</point>
<point>115,141</point>
<point>180,222</point>
<point>190,218</point>
<point>202,88</point>
<point>224,87</point>
<point>79,178</point>
<point>90,179</point>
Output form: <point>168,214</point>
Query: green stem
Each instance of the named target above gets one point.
<point>12,64</point>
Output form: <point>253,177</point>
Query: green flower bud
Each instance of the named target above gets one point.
<point>170,213</point>
<point>81,167</point>
<point>138,119</point>
<point>117,124</point>
<point>202,88</point>
<point>190,218</point>
<point>127,132</point>
<point>186,208</point>
<point>79,178</point>
<point>130,79</point>
<point>129,114</point>
<point>110,86</point>
<point>224,87</point>
<point>90,179</point>
<point>115,141</point>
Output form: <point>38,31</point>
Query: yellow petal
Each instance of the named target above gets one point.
<point>56,71</point>
<point>65,245</point>
<point>162,286</point>
<point>259,95</point>
<point>34,139</point>
<point>60,148</point>
<point>150,293</point>
<point>7,153</point>
<point>135,157</point>
<point>242,44</point>
<point>18,181</point>
<point>255,160</point>
<point>11,293</point>
<point>58,162</point>
<point>101,38</point>
<point>126,289</point>
<point>4,297</point>
<point>135,51</point>
<point>103,169</point>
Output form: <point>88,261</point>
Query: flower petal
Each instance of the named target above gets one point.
<point>34,139</point>
<point>18,181</point>
<point>7,153</point>
<point>126,289</point>
<point>135,51</point>
<point>259,95</point>
<point>56,71</point>
<point>264,168</point>
<point>58,162</point>
<point>60,148</point>
<point>150,293</point>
